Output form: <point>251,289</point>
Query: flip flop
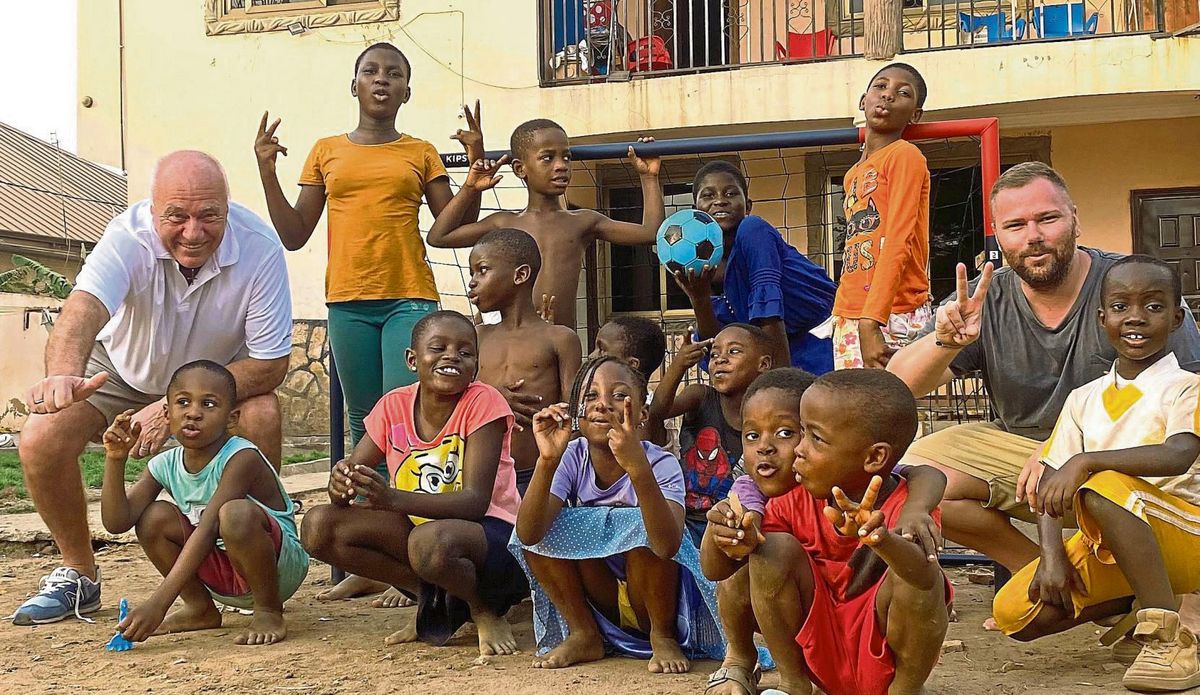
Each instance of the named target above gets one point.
<point>745,678</point>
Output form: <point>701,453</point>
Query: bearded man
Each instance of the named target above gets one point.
<point>1035,334</point>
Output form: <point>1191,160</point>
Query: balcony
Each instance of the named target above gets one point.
<point>588,41</point>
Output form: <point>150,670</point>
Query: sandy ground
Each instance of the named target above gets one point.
<point>338,648</point>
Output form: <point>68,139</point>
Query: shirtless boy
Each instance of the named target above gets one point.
<point>541,157</point>
<point>531,362</point>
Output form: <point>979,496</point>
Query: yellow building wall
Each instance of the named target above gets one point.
<point>188,90</point>
<point>1103,163</point>
<point>184,89</point>
<point>98,82</point>
<point>24,348</point>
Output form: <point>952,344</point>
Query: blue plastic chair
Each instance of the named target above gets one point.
<point>995,24</point>
<point>1058,21</point>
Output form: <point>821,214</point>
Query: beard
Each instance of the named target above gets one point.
<point>1050,275</point>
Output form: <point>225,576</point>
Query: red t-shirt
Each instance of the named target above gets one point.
<point>434,466</point>
<point>802,515</point>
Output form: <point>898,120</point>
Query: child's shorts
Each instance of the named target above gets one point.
<point>1174,521</point>
<point>694,528</point>
<point>901,329</point>
<point>501,585</point>
<point>844,646</point>
<point>524,475</point>
<point>228,587</point>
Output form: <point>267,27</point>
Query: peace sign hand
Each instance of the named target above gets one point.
<point>471,138</point>
<point>482,174</point>
<point>266,145</point>
<point>957,323</point>
<point>625,439</point>
<point>859,519</point>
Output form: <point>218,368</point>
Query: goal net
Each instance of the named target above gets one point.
<point>795,183</point>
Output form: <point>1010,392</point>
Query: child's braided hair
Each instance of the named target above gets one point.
<point>583,382</point>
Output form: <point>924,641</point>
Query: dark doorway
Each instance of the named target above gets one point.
<point>1166,225</point>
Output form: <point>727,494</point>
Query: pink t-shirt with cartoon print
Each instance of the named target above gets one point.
<point>434,466</point>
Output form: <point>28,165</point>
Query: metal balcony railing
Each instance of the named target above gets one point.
<point>615,40</point>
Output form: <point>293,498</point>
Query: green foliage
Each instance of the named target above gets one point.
<point>92,463</point>
<point>31,277</point>
<point>304,457</point>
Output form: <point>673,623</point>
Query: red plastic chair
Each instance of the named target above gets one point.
<point>813,44</point>
<point>598,15</point>
<point>649,53</point>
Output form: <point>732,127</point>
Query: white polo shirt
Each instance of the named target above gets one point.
<point>238,306</point>
<point>1112,413</point>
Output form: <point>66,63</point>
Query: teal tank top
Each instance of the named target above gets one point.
<point>193,491</point>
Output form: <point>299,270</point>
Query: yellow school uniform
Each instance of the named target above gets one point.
<point>1104,415</point>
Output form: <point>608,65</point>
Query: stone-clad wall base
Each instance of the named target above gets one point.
<point>304,394</point>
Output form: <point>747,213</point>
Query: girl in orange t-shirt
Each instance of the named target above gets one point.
<point>378,282</point>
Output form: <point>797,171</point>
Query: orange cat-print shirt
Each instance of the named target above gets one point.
<point>885,264</point>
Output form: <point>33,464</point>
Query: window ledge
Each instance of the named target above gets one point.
<point>219,23</point>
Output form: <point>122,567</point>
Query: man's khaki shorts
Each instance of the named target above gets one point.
<point>115,396</point>
<point>983,450</point>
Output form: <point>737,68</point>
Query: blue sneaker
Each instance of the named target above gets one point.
<point>63,592</point>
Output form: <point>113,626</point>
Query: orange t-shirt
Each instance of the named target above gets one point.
<point>885,264</point>
<point>374,196</point>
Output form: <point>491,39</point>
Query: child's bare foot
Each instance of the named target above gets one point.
<point>403,635</point>
<point>351,587</point>
<point>990,625</point>
<point>392,598</point>
<point>495,635</point>
<point>266,627</point>
<point>190,618</point>
<point>575,649</point>
<point>667,656</point>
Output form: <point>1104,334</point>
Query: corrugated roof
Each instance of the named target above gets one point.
<point>49,192</point>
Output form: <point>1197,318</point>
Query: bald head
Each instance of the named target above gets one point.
<point>189,197</point>
<point>192,166</point>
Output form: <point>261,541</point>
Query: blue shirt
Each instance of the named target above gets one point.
<point>765,278</point>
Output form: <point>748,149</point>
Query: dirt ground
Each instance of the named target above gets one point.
<point>338,648</point>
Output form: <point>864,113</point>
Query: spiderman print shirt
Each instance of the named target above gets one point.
<point>711,455</point>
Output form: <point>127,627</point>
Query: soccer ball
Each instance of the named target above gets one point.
<point>689,240</point>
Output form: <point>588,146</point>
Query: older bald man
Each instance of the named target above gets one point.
<point>185,275</point>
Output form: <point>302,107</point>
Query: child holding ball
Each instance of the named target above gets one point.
<point>757,260</point>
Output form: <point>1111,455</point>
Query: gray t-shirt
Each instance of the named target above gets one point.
<point>1029,369</point>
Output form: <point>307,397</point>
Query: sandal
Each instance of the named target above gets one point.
<point>747,679</point>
